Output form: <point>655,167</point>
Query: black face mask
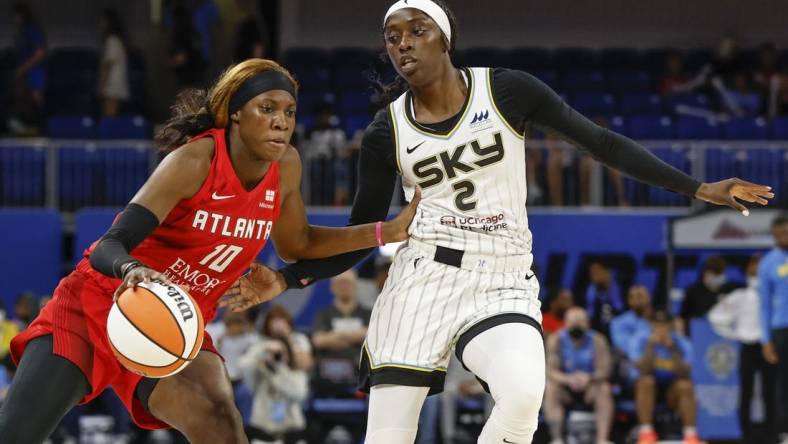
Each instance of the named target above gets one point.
<point>577,332</point>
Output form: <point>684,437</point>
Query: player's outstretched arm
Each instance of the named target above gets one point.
<point>179,176</point>
<point>295,239</point>
<point>535,102</point>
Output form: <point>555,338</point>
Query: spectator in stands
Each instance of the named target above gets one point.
<point>662,359</point>
<point>278,323</point>
<point>460,390</point>
<point>324,152</point>
<point>252,35</point>
<point>773,291</point>
<point>722,72</point>
<point>737,317</point>
<point>603,298</point>
<point>31,50</point>
<point>8,329</point>
<point>766,78</point>
<point>279,387</point>
<point>626,325</point>
<point>337,334</point>
<point>578,371</point>
<point>674,79</point>
<point>233,341</point>
<point>25,310</point>
<point>113,86</point>
<point>186,57</point>
<point>706,292</point>
<point>559,303</point>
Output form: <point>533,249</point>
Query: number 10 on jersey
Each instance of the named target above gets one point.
<point>221,256</point>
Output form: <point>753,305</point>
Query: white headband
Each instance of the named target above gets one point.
<point>432,10</point>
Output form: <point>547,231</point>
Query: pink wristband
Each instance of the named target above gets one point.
<point>379,233</point>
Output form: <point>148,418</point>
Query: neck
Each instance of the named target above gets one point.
<point>250,170</point>
<point>441,98</point>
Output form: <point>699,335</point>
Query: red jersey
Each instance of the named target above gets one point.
<point>209,240</point>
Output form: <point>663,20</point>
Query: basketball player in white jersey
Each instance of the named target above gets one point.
<point>464,279</point>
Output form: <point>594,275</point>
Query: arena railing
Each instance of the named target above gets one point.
<point>71,174</point>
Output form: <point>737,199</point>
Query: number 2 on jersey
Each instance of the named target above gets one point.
<point>465,190</point>
<point>222,255</point>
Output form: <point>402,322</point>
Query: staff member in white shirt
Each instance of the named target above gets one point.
<point>737,317</point>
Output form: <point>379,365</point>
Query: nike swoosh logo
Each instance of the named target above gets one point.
<point>506,440</point>
<point>411,150</point>
<point>215,196</point>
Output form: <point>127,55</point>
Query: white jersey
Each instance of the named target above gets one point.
<point>472,178</point>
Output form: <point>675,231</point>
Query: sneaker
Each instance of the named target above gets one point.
<point>647,437</point>
<point>692,438</point>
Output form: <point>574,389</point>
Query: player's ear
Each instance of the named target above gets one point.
<point>236,116</point>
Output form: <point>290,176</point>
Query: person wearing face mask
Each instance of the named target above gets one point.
<point>662,357</point>
<point>736,317</point>
<point>578,368</point>
<point>702,295</point>
<point>624,326</point>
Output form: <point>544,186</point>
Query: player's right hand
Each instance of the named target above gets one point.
<point>259,285</point>
<point>137,275</point>
<point>730,191</point>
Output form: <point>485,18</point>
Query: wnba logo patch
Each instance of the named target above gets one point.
<point>721,359</point>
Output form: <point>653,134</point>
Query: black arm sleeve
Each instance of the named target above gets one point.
<point>377,176</point>
<point>523,99</point>
<point>131,227</point>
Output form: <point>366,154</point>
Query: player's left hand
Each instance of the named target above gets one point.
<point>730,191</point>
<point>259,285</point>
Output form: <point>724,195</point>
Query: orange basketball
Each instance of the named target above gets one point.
<point>155,329</point>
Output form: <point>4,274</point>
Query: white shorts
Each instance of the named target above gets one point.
<point>427,308</point>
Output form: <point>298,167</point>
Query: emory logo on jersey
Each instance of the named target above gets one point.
<point>230,226</point>
<point>270,195</point>
<point>183,273</point>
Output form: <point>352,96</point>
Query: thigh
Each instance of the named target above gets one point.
<point>394,413</point>
<point>202,385</point>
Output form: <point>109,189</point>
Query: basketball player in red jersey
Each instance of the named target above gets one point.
<point>199,221</point>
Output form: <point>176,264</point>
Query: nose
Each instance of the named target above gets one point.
<point>279,122</point>
<point>406,43</point>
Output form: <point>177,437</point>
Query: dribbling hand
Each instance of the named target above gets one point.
<point>137,275</point>
<point>730,191</point>
<point>259,285</point>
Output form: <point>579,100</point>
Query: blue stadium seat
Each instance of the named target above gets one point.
<point>352,58</point>
<point>305,57</point>
<point>351,80</point>
<point>314,80</point>
<point>22,176</point>
<point>746,128</point>
<point>620,58</point>
<point>651,127</point>
<point>780,128</point>
<point>629,82</point>
<point>354,123</point>
<point>32,242</point>
<point>687,100</point>
<point>89,225</point>
<point>643,104</point>
<point>594,104</point>
<point>354,103</point>
<point>71,127</point>
<point>575,58</point>
<point>690,127</point>
<point>530,59</point>
<point>123,127</point>
<point>582,82</point>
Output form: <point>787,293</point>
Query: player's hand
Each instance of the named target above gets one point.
<point>769,353</point>
<point>396,230</point>
<point>259,285</point>
<point>137,275</point>
<point>730,191</point>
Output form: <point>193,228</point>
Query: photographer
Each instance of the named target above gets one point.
<point>279,388</point>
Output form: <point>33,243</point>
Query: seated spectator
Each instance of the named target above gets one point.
<point>278,323</point>
<point>674,79</point>
<point>25,310</point>
<point>727,64</point>
<point>662,359</point>
<point>113,87</point>
<point>603,298</point>
<point>578,370</point>
<point>553,318</point>
<point>232,342</point>
<point>337,334</point>
<point>279,388</point>
<point>624,326</point>
<point>8,329</point>
<point>324,153</point>
<point>706,292</point>
<point>737,317</point>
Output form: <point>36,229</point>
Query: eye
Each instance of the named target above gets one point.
<point>392,38</point>
<point>418,32</point>
<point>290,113</point>
<point>266,109</point>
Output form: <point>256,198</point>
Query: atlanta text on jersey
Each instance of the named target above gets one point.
<point>239,228</point>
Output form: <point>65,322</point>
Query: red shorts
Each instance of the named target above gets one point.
<point>76,317</point>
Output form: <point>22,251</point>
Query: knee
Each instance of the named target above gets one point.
<point>684,388</point>
<point>645,383</point>
<point>216,417</point>
<point>521,400</point>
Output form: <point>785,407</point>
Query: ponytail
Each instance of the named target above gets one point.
<point>190,116</point>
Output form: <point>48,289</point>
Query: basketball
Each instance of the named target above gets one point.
<point>155,329</point>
